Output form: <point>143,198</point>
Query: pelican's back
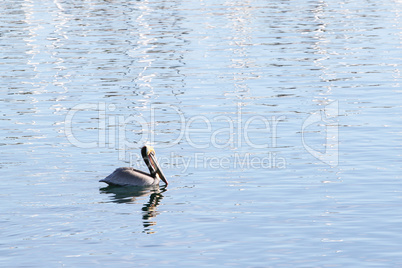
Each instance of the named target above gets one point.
<point>129,176</point>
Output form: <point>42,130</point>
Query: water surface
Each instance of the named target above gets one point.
<point>277,124</point>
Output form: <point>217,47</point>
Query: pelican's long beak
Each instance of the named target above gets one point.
<point>157,168</point>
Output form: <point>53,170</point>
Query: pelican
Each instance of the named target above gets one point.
<point>127,176</point>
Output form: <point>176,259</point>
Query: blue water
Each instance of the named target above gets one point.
<point>276,123</point>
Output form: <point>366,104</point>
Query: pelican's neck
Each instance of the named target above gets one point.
<point>148,162</point>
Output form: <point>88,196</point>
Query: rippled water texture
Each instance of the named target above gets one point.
<point>277,124</point>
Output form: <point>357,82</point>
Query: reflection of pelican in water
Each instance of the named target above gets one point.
<point>127,176</point>
<point>130,195</point>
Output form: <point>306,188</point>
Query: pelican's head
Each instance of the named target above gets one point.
<point>148,154</point>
